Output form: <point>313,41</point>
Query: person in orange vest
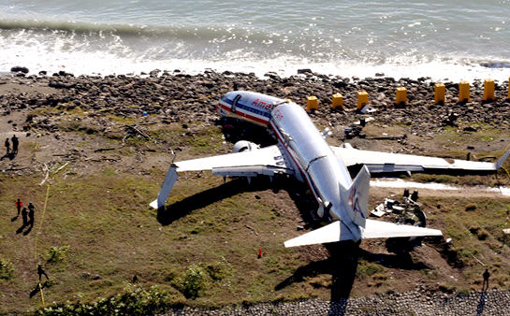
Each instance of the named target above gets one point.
<point>19,205</point>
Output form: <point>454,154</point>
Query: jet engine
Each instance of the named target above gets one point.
<point>244,145</point>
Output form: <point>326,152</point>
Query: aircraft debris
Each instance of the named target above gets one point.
<point>367,109</point>
<point>406,212</point>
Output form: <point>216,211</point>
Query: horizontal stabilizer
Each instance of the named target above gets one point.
<point>168,184</point>
<point>333,232</point>
<point>380,229</point>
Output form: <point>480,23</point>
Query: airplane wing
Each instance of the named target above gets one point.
<point>379,162</point>
<point>337,231</point>
<point>265,161</point>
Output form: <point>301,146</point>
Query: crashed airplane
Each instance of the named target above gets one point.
<point>302,152</point>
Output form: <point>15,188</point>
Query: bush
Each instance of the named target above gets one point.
<point>192,282</point>
<point>57,254</point>
<point>219,270</point>
<point>137,301</point>
<point>6,270</point>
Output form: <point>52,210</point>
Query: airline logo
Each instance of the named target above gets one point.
<point>354,202</point>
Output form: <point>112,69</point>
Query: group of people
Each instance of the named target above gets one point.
<point>26,215</point>
<point>15,145</point>
<point>28,219</point>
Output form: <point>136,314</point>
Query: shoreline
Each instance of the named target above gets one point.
<point>498,71</point>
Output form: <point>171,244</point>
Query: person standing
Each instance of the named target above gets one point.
<point>19,205</point>
<point>486,276</point>
<point>7,146</point>
<point>24,215</point>
<point>15,144</point>
<point>41,272</point>
<point>31,213</point>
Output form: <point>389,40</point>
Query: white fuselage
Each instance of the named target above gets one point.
<point>320,168</point>
<point>305,147</point>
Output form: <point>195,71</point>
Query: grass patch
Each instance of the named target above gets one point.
<point>57,254</point>
<point>113,236</point>
<point>366,269</point>
<point>6,270</point>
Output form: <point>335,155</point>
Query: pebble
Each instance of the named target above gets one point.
<point>494,302</point>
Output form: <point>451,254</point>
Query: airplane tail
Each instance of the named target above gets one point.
<point>355,198</point>
<point>356,203</point>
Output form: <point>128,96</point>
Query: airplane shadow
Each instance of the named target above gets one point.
<point>341,263</point>
<point>401,260</point>
<point>235,130</point>
<point>168,214</point>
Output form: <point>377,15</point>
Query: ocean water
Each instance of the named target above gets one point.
<point>455,40</point>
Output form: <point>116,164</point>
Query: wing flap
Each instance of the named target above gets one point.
<point>250,171</point>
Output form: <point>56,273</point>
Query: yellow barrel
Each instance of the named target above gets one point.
<point>311,103</point>
<point>401,98</point>
<point>488,90</point>
<point>362,99</point>
<point>439,93</point>
<point>464,91</point>
<point>338,101</point>
<point>508,96</point>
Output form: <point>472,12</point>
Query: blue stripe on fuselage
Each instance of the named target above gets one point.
<point>247,108</point>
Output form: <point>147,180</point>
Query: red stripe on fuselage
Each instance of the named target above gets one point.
<point>245,115</point>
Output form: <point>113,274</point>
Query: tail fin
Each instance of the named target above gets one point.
<point>355,198</point>
<point>166,187</point>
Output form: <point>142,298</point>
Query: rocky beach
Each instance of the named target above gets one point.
<point>35,106</point>
<point>177,97</point>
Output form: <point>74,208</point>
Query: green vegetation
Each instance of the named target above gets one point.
<point>208,256</point>
<point>192,282</point>
<point>99,232</point>
<point>367,269</point>
<point>57,254</point>
<point>134,301</point>
<point>6,270</point>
